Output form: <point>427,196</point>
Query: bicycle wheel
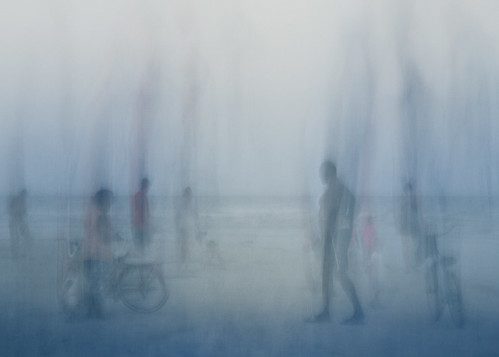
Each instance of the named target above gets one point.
<point>432,291</point>
<point>142,288</point>
<point>454,299</point>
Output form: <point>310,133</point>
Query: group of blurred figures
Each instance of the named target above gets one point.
<point>97,249</point>
<point>337,221</point>
<point>99,235</point>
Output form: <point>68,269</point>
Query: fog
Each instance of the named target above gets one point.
<point>248,97</point>
<point>234,106</point>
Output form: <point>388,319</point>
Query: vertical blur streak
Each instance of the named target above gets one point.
<point>60,14</point>
<point>410,119</point>
<point>138,167</point>
<point>100,155</point>
<point>147,98</point>
<point>16,166</point>
<point>367,132</point>
<point>351,127</point>
<point>368,142</point>
<point>242,78</point>
<point>142,124</point>
<point>189,95</point>
<point>236,41</point>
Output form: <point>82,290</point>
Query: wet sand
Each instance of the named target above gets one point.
<point>254,304</point>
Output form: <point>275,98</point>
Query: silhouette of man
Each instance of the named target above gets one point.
<point>336,216</point>
<point>18,226</point>
<point>97,252</point>
<point>187,224</point>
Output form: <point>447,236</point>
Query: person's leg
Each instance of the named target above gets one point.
<point>418,247</point>
<point>99,266</point>
<point>184,249</point>
<point>374,278</point>
<point>182,244</point>
<point>14,238</point>
<point>147,237</point>
<point>25,236</point>
<point>139,240</point>
<point>92,295</point>
<point>343,242</point>
<point>407,251</point>
<point>351,293</point>
<point>89,286</point>
<point>327,264</point>
<point>327,261</point>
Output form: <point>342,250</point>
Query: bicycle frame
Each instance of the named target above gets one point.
<point>442,283</point>
<point>122,278</point>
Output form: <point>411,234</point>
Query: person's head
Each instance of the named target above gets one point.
<point>328,172</point>
<point>102,199</point>
<point>144,184</point>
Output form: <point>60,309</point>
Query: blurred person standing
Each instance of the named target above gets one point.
<point>337,205</point>
<point>186,224</point>
<point>97,249</point>
<point>20,237</point>
<point>141,228</point>
<point>410,227</point>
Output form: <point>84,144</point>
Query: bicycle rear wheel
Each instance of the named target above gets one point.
<point>454,300</point>
<point>142,288</point>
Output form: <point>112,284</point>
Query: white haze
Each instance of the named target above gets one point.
<point>248,97</point>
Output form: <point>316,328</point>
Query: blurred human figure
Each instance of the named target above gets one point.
<point>336,216</point>
<point>410,227</point>
<point>97,249</point>
<point>371,255</point>
<point>187,224</point>
<point>20,238</point>
<point>140,216</point>
<point>213,255</point>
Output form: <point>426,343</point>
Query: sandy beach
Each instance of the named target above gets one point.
<point>254,303</point>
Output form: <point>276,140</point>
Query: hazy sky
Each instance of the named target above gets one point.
<point>248,96</point>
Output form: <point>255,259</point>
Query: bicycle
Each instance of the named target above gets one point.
<point>443,286</point>
<point>139,284</point>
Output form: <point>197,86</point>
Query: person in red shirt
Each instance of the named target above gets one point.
<point>140,216</point>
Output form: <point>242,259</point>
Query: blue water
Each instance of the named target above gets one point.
<point>49,216</point>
